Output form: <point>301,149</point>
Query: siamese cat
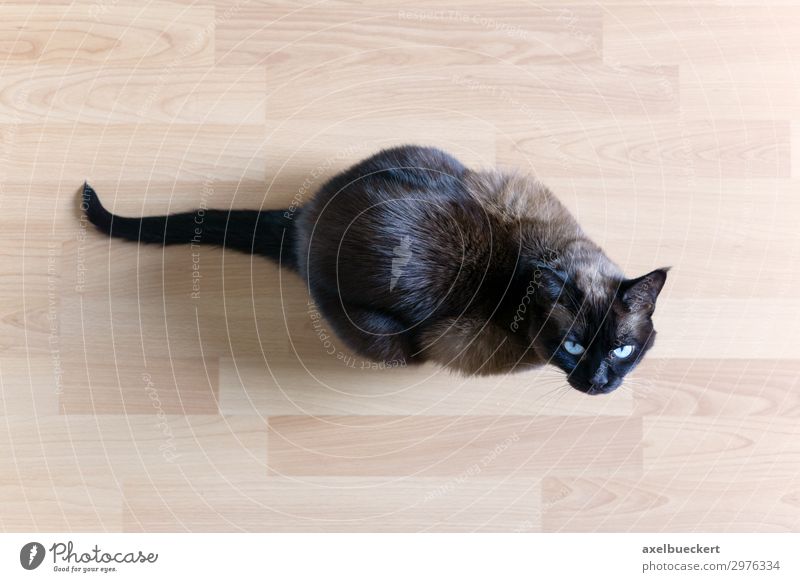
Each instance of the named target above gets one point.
<point>412,257</point>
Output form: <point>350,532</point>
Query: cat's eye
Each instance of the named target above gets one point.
<point>573,348</point>
<point>623,351</point>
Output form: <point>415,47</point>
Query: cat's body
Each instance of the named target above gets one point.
<point>411,257</point>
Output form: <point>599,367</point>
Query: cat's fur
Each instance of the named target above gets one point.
<point>411,257</point>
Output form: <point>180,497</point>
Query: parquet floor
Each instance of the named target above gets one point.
<point>128,404</point>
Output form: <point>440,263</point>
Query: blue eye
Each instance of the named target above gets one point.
<point>573,348</point>
<point>623,352</point>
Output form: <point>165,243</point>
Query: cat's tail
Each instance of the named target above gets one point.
<point>270,233</point>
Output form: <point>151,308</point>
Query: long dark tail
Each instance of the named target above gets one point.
<point>267,232</point>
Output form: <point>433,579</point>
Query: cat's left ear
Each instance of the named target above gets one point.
<point>639,295</point>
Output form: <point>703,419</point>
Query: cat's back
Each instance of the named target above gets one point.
<point>399,227</point>
<point>413,228</point>
<point>382,197</point>
<point>520,199</point>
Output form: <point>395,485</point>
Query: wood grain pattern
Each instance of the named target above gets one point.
<point>120,151</point>
<point>121,34</point>
<point>86,94</point>
<point>413,90</point>
<point>408,34</point>
<point>707,34</point>
<point>354,386</point>
<point>680,502</point>
<point>110,448</point>
<point>760,90</point>
<point>731,445</point>
<point>719,387</point>
<point>681,150</point>
<point>334,504</point>
<point>128,404</point>
<point>436,446</point>
<point>124,385</point>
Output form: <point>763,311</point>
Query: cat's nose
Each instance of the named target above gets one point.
<point>605,387</point>
<point>597,389</point>
<point>600,378</point>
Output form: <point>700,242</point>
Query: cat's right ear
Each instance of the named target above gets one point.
<point>639,295</point>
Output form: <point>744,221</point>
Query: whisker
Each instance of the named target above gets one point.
<point>550,392</point>
<point>554,395</point>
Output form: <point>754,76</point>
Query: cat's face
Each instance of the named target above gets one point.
<point>597,338</point>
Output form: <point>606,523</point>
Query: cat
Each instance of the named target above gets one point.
<point>412,257</point>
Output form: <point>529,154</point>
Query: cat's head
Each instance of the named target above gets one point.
<point>595,332</point>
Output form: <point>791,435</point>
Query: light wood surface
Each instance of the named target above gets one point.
<point>126,404</point>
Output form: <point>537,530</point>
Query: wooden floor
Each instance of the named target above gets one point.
<point>129,404</point>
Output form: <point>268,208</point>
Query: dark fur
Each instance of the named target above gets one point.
<point>412,257</point>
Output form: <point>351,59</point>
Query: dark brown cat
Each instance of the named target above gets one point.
<point>411,257</point>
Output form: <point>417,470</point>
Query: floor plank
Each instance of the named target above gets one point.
<point>110,34</point>
<point>127,404</point>
<point>334,504</point>
<point>448,446</point>
<point>669,503</point>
